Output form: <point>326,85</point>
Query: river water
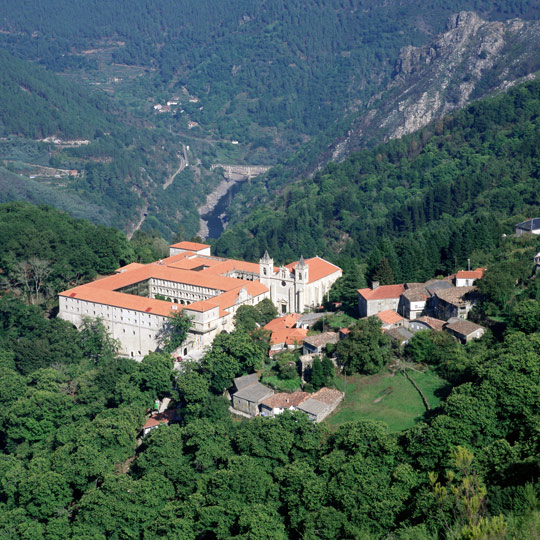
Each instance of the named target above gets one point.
<point>215,223</point>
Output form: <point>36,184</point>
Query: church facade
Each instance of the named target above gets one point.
<point>136,302</point>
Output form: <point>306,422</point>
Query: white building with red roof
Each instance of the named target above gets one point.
<point>466,278</point>
<point>298,286</point>
<point>136,302</point>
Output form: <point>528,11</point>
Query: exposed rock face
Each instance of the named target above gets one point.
<point>471,59</point>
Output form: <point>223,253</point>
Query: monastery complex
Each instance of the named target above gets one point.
<point>136,302</point>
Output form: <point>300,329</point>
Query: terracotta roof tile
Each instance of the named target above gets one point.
<point>190,246</point>
<point>318,268</point>
<point>470,274</point>
<point>383,292</point>
<point>289,336</point>
<point>389,317</point>
<point>161,418</point>
<point>287,321</point>
<point>434,324</point>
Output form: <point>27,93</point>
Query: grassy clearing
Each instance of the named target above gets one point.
<point>400,406</point>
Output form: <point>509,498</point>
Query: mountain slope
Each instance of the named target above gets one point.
<point>430,197</point>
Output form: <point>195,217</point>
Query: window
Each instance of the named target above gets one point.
<point>283,308</point>
<point>300,275</point>
<point>264,271</point>
<point>283,284</point>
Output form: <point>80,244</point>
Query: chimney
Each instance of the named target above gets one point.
<point>374,285</point>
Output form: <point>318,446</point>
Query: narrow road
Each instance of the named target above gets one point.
<point>184,162</point>
<point>144,213</point>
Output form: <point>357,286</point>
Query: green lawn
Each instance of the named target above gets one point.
<point>401,405</point>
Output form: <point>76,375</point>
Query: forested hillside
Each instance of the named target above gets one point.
<point>71,466</point>
<point>425,203</point>
<point>293,65</point>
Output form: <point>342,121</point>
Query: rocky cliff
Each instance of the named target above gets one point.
<point>470,60</point>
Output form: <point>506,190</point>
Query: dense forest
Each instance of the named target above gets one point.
<point>425,203</point>
<point>71,466</point>
<point>121,163</point>
<point>298,66</point>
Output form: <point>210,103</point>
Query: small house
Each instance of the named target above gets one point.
<point>378,298</point>
<point>316,344</point>
<point>163,418</point>
<point>463,330</point>
<point>531,226</point>
<point>278,403</point>
<point>250,393</point>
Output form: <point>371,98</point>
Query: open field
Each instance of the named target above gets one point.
<point>399,404</point>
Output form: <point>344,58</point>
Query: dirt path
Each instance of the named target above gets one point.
<point>184,162</point>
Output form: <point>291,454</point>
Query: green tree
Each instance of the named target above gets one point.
<point>156,371</point>
<point>174,332</point>
<point>365,349</point>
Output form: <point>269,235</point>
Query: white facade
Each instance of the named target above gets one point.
<point>292,287</point>
<point>136,303</point>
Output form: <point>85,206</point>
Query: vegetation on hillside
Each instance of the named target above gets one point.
<point>415,207</point>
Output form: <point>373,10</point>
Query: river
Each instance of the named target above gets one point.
<point>214,218</point>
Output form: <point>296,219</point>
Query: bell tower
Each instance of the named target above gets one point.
<point>300,281</point>
<point>266,269</point>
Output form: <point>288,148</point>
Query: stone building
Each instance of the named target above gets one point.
<point>136,303</point>
<point>379,298</point>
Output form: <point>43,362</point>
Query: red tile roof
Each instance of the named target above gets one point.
<point>160,418</point>
<point>288,336</point>
<point>383,292</point>
<point>389,317</point>
<point>470,274</point>
<point>434,324</point>
<point>190,246</point>
<point>287,321</point>
<point>318,268</point>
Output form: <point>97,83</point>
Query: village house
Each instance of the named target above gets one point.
<point>426,323</point>
<point>278,403</point>
<point>315,344</point>
<point>466,278</point>
<point>379,298</point>
<point>390,319</point>
<point>400,336</point>
<point>321,403</point>
<point>463,330</point>
<point>531,226</point>
<point>454,302</point>
<point>160,419</point>
<point>136,303</point>
<point>250,393</point>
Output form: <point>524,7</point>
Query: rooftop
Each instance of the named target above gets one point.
<point>389,317</point>
<point>529,225</point>
<point>288,336</point>
<point>318,268</point>
<point>399,334</point>
<point>246,380</point>
<point>455,295</point>
<point>434,324</point>
<point>471,274</point>
<point>284,400</point>
<point>287,321</point>
<point>314,406</point>
<point>320,340</point>
<point>161,418</point>
<point>255,392</point>
<point>462,327</point>
<point>328,395</point>
<point>190,246</point>
<point>382,292</point>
